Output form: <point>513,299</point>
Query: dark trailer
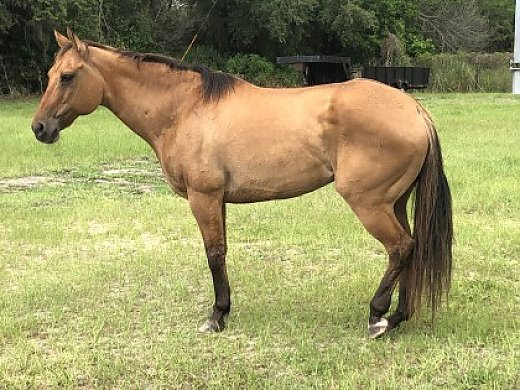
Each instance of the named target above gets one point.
<point>402,77</point>
<point>320,69</point>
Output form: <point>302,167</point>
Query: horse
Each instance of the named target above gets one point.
<point>220,139</point>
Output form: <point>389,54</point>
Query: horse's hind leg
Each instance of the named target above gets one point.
<point>401,313</point>
<point>380,220</point>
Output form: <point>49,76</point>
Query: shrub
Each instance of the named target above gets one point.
<point>260,71</point>
<point>206,55</point>
<point>468,72</point>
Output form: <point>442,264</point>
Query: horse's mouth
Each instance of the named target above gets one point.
<point>49,137</point>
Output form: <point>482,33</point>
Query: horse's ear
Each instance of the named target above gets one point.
<point>80,46</point>
<point>62,40</point>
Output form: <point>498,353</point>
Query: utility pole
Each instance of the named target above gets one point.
<point>515,64</point>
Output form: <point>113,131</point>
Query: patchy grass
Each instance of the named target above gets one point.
<point>104,282</point>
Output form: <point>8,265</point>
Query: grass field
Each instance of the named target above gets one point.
<point>104,280</point>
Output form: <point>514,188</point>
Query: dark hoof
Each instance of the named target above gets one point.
<point>213,326</point>
<point>377,329</point>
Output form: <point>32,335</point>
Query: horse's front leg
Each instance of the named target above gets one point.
<point>209,211</point>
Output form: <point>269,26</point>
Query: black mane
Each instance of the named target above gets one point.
<point>215,85</point>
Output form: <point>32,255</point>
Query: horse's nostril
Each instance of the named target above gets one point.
<point>37,127</point>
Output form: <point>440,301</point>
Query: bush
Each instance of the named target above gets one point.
<point>468,72</point>
<point>260,71</point>
<point>206,55</point>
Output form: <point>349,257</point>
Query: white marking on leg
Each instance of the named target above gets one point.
<point>377,329</point>
<point>207,327</point>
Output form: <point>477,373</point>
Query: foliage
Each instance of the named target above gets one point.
<point>454,24</point>
<point>260,71</point>
<point>251,67</point>
<point>208,56</point>
<point>501,16</point>
<point>268,28</point>
<point>27,43</point>
<point>278,27</point>
<point>468,72</point>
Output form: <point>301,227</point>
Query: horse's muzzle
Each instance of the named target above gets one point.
<point>47,133</point>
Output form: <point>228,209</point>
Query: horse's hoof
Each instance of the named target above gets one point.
<point>377,329</point>
<point>212,326</point>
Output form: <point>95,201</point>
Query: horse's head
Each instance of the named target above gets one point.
<point>75,88</point>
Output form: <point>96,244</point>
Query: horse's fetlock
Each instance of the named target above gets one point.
<point>378,307</point>
<point>222,307</point>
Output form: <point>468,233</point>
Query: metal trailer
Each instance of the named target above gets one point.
<point>402,77</point>
<point>319,69</point>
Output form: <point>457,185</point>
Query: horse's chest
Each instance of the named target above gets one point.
<point>179,188</point>
<point>174,176</point>
<point>178,184</point>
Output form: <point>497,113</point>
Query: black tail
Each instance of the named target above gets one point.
<point>429,272</point>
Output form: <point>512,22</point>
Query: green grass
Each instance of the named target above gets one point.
<point>104,280</point>
<point>93,139</point>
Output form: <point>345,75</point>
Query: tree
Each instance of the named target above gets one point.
<point>454,25</point>
<point>355,28</point>
<point>27,43</point>
<point>269,28</point>
<point>351,28</point>
<point>286,27</point>
<point>173,25</point>
<point>501,16</point>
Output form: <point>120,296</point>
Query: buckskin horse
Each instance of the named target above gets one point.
<point>220,139</point>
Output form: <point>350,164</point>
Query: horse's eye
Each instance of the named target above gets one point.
<point>66,77</point>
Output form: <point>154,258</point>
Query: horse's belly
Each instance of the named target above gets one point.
<point>271,181</point>
<point>274,153</point>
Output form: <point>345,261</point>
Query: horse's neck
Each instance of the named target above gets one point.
<point>147,98</point>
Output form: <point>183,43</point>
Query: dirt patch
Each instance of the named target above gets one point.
<point>23,183</point>
<point>132,172</point>
<point>29,181</point>
<point>137,179</point>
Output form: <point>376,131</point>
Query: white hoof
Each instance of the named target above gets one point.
<point>211,326</point>
<point>377,329</point>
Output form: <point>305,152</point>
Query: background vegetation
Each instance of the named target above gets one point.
<point>104,278</point>
<point>245,36</point>
<point>468,72</point>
